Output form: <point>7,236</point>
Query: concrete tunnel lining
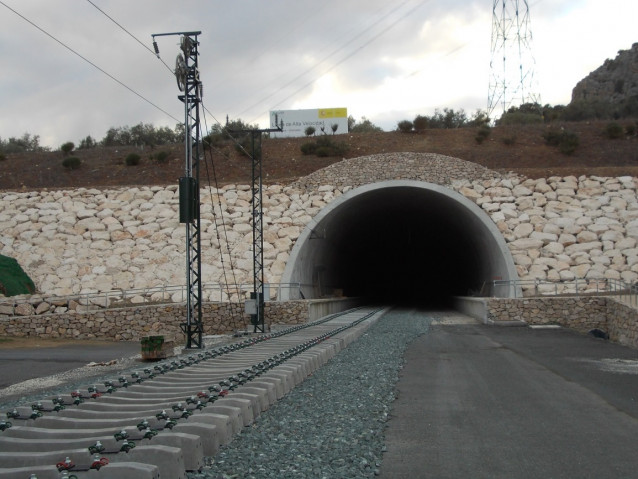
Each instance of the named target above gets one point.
<point>400,241</point>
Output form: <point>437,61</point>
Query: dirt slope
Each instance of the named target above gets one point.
<point>283,162</point>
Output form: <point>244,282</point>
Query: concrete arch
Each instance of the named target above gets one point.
<point>398,241</point>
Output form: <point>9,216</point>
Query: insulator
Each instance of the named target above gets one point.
<point>156,48</point>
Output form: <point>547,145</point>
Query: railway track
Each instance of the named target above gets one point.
<point>162,420</point>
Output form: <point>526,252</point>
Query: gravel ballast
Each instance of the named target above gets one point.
<point>331,425</point>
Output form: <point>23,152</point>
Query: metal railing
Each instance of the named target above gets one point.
<point>626,292</point>
<point>167,294</point>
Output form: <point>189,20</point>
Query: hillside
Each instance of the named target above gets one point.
<point>520,149</point>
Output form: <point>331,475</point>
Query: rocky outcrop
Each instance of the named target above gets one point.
<point>615,81</point>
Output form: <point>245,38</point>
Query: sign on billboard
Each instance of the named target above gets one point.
<point>295,122</point>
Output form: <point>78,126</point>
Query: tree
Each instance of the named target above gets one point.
<point>364,126</point>
<point>310,131</point>
<point>67,148</point>
<point>405,126</point>
<point>26,143</point>
<point>420,123</point>
<point>334,127</point>
<point>87,143</point>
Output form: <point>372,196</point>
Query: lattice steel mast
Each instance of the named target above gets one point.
<point>257,303</point>
<point>187,75</point>
<point>512,64</point>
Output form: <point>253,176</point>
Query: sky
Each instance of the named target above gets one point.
<point>385,61</point>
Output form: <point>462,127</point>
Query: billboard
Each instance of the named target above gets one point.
<point>295,122</point>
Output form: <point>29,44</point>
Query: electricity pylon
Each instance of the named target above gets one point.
<point>512,63</point>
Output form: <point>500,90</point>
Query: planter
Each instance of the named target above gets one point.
<point>155,348</point>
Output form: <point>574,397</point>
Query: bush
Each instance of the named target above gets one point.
<point>2,157</point>
<point>161,157</point>
<point>309,148</point>
<point>629,129</point>
<point>71,163</point>
<point>509,140</point>
<point>552,137</point>
<point>365,126</point>
<point>614,131</point>
<point>133,159</point>
<point>482,134</point>
<point>324,146</point>
<point>525,114</point>
<point>569,143</point>
<point>420,123</point>
<point>566,141</point>
<point>310,131</point>
<point>405,126</point>
<point>67,147</point>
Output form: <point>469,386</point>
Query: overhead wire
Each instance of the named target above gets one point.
<point>130,34</point>
<point>344,45</point>
<point>233,311</point>
<point>118,81</point>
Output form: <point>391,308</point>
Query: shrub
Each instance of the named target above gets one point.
<point>67,147</point>
<point>324,146</point>
<point>552,137</point>
<point>566,141</point>
<point>244,145</point>
<point>133,159</point>
<point>310,131</point>
<point>630,129</point>
<point>365,126</point>
<point>614,131</point>
<point>71,163</point>
<point>509,140</point>
<point>161,157</point>
<point>309,148</point>
<point>482,134</point>
<point>420,123</point>
<point>405,126</point>
<point>569,143</point>
<point>2,157</point>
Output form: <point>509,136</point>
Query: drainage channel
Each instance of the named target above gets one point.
<point>163,420</point>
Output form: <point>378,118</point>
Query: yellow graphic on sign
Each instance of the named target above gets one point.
<point>333,113</point>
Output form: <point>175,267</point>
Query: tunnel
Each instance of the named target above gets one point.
<point>400,242</point>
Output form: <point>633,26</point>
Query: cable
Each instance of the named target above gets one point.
<point>131,35</point>
<point>325,58</point>
<point>233,310</point>
<point>347,57</point>
<point>90,62</point>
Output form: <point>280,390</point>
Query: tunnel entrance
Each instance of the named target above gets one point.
<point>400,242</point>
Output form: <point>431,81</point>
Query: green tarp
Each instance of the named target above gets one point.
<point>13,279</point>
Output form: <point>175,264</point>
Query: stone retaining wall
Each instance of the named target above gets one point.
<point>128,324</point>
<point>87,240</point>
<point>579,313</point>
<point>582,314</point>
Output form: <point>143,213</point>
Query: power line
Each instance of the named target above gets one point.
<point>353,53</point>
<point>90,62</point>
<point>130,34</point>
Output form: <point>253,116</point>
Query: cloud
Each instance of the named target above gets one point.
<point>377,58</point>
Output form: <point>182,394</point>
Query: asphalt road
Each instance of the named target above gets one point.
<point>22,364</point>
<point>480,401</point>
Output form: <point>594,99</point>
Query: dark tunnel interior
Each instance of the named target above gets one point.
<point>401,246</point>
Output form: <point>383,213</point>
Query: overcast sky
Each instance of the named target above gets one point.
<point>387,61</point>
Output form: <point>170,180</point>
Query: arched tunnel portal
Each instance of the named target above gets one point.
<point>398,242</point>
